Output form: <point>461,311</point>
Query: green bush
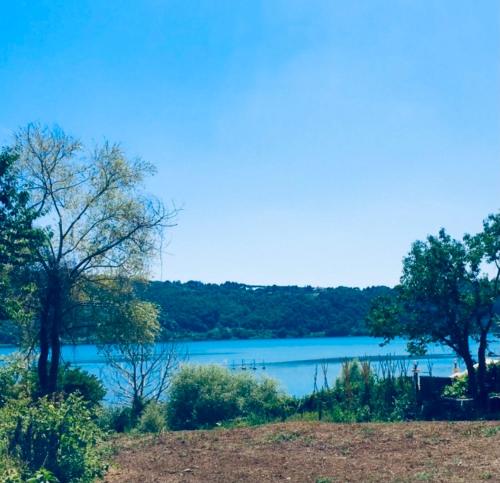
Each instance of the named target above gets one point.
<point>460,389</point>
<point>75,380</point>
<point>18,379</point>
<point>58,436</point>
<point>204,396</point>
<point>15,380</point>
<point>117,419</point>
<point>360,395</point>
<point>153,418</point>
<point>10,469</point>
<point>43,476</point>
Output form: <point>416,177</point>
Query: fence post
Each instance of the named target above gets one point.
<point>416,380</point>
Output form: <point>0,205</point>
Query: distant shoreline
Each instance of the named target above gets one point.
<point>181,340</point>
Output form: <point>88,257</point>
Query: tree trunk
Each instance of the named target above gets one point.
<point>137,406</point>
<point>44,346</point>
<point>481,373</point>
<point>471,377</point>
<point>55,341</point>
<point>50,329</point>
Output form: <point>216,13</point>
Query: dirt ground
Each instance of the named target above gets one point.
<point>314,452</point>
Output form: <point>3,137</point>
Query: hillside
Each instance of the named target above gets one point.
<point>195,310</point>
<point>233,310</point>
<point>314,452</point>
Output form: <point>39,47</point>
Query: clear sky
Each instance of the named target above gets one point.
<point>308,141</point>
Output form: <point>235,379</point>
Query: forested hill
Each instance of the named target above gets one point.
<point>234,310</point>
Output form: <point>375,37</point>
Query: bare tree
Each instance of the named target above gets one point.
<point>98,222</point>
<point>142,372</point>
<point>141,368</point>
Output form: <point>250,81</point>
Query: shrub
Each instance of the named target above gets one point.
<point>460,389</point>
<point>10,469</point>
<point>117,419</point>
<point>359,395</point>
<point>72,380</point>
<point>153,418</point>
<point>203,396</point>
<point>75,380</point>
<point>58,436</point>
<point>43,476</point>
<point>14,378</point>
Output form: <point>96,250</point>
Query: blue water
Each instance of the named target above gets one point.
<point>291,361</point>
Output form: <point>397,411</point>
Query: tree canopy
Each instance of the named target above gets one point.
<point>98,224</point>
<point>449,293</point>
<point>233,310</point>
<point>17,239</point>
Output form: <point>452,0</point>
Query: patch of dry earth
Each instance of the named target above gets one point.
<point>307,452</point>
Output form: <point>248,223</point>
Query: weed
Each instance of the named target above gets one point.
<point>344,450</point>
<point>485,475</point>
<point>491,431</point>
<point>284,437</point>
<point>367,431</point>
<point>423,476</point>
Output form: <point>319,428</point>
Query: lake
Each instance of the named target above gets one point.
<point>291,361</point>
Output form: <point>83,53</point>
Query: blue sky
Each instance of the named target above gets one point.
<point>308,141</point>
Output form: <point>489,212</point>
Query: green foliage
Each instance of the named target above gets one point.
<point>116,419</point>
<point>436,281</point>
<point>232,310</point>
<point>98,224</point>
<point>458,389</point>
<point>43,476</point>
<point>153,418</point>
<point>18,379</point>
<point>142,367</point>
<point>59,436</point>
<point>16,233</point>
<point>15,380</point>
<point>359,395</point>
<point>449,292</point>
<point>17,242</point>
<point>10,469</point>
<point>76,380</point>
<point>460,386</point>
<point>133,322</point>
<point>204,396</point>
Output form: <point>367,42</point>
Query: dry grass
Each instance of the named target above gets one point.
<point>315,452</point>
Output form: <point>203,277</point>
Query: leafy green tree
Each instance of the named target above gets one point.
<point>17,240</point>
<point>16,218</point>
<point>98,225</point>
<point>449,294</point>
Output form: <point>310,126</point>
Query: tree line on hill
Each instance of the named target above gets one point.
<point>197,310</point>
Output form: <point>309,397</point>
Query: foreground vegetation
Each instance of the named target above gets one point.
<point>66,438</point>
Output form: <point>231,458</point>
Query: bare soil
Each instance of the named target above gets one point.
<point>314,452</point>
